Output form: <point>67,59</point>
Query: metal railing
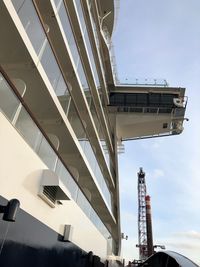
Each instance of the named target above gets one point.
<point>19,115</point>
<point>177,112</point>
<point>130,81</point>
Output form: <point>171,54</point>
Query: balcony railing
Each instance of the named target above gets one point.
<point>17,114</point>
<point>42,47</point>
<point>70,39</point>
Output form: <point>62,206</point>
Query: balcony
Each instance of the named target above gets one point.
<point>32,61</point>
<point>147,111</point>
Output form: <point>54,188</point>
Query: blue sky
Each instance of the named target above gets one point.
<point>161,39</point>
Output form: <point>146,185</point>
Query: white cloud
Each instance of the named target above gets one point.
<point>185,243</point>
<point>129,250</point>
<point>157,173</point>
<point>189,234</point>
<point>129,217</point>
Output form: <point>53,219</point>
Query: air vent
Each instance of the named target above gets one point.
<point>52,190</point>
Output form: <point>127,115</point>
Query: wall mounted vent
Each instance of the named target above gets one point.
<point>52,190</point>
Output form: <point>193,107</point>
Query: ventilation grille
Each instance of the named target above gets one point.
<point>51,189</point>
<point>50,192</point>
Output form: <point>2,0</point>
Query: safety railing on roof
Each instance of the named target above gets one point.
<point>129,81</point>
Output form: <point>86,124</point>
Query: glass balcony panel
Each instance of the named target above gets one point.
<point>74,51</point>
<point>95,31</point>
<point>94,218</point>
<point>73,47</point>
<point>87,41</point>
<point>8,101</point>
<point>67,179</point>
<point>35,31</point>
<point>17,4</point>
<point>61,88</point>
<point>68,33</point>
<point>65,101</point>
<point>62,173</point>
<point>31,23</point>
<point>73,188</point>
<point>33,136</point>
<point>28,129</point>
<point>75,122</point>
<point>83,80</point>
<point>53,72</point>
<point>57,2</point>
<point>81,16</point>
<point>100,134</point>
<point>90,156</point>
<point>47,154</point>
<point>83,203</point>
<point>50,66</point>
<point>77,126</point>
<point>106,152</point>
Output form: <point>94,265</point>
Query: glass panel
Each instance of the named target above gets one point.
<point>83,80</point>
<point>87,41</point>
<point>83,203</point>
<point>142,99</point>
<point>61,88</point>
<point>68,33</point>
<point>65,101</point>
<point>18,4</point>
<point>50,66</point>
<point>75,122</point>
<point>73,47</point>
<point>8,101</point>
<point>57,2</point>
<point>81,16</point>
<point>95,34</point>
<point>47,154</point>
<point>90,156</point>
<point>32,25</point>
<point>28,129</point>
<point>167,100</point>
<point>131,99</point>
<point>76,57</point>
<point>67,179</point>
<point>32,135</point>
<point>73,188</point>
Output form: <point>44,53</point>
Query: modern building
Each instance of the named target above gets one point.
<point>63,117</point>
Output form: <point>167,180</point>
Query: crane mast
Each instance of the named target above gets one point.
<point>142,227</point>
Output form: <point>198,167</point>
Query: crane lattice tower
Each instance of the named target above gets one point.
<point>142,228</point>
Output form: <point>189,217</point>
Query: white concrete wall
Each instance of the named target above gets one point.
<point>20,174</point>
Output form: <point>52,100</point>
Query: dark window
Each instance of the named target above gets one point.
<point>154,100</point>
<point>167,100</point>
<point>165,125</point>
<point>142,99</point>
<point>117,99</point>
<point>131,99</point>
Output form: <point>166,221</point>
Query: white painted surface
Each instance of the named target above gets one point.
<point>20,174</point>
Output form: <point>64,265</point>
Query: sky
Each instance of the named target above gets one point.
<point>161,40</point>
